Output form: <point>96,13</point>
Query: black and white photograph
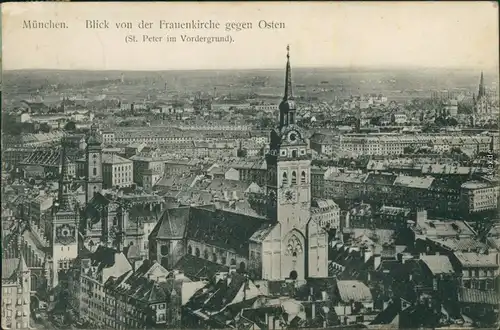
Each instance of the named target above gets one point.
<point>250,166</point>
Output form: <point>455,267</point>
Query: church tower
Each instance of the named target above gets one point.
<point>482,90</point>
<point>288,187</point>
<point>64,224</point>
<point>93,164</point>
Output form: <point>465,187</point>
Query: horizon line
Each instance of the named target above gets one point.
<point>372,67</point>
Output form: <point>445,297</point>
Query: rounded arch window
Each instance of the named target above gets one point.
<point>293,275</point>
<point>190,249</point>
<point>214,257</point>
<point>303,177</point>
<point>294,177</point>
<point>164,249</point>
<point>205,254</point>
<point>285,178</point>
<point>242,266</point>
<point>197,252</point>
<point>233,262</point>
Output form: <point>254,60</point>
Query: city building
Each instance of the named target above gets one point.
<point>271,244</point>
<point>16,294</point>
<point>116,171</point>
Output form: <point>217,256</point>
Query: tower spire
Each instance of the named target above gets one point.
<point>481,86</point>
<point>288,77</point>
<point>63,180</point>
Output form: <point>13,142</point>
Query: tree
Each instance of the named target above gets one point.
<point>452,122</point>
<point>70,126</point>
<point>408,150</point>
<point>45,128</point>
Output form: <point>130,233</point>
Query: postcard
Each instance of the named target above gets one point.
<point>250,165</point>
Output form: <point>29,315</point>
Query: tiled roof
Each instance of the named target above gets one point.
<point>216,296</point>
<point>195,267</point>
<point>9,268</point>
<point>413,182</point>
<point>223,228</point>
<point>471,259</point>
<point>460,245</point>
<point>172,224</point>
<point>354,291</point>
<point>444,228</point>
<point>473,296</point>
<point>438,264</point>
<point>262,232</point>
<point>114,159</point>
<point>347,177</point>
<point>380,179</point>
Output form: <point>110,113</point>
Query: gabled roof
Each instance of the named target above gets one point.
<point>354,291</point>
<point>438,264</point>
<point>195,267</point>
<point>172,224</point>
<point>10,268</point>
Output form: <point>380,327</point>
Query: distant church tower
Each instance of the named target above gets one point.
<point>64,224</point>
<point>289,196</point>
<point>93,164</point>
<point>482,103</point>
<point>482,90</point>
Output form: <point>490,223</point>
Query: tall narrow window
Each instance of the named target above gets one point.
<point>294,177</point>
<point>285,178</point>
<point>303,177</point>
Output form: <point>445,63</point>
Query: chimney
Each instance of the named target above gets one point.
<point>368,253</point>
<point>377,259</point>
<point>347,220</point>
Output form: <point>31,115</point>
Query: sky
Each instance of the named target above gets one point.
<point>349,34</point>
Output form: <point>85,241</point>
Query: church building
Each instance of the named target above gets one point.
<point>285,241</point>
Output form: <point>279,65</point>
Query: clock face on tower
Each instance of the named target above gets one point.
<point>288,196</point>
<point>293,137</point>
<point>65,234</point>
